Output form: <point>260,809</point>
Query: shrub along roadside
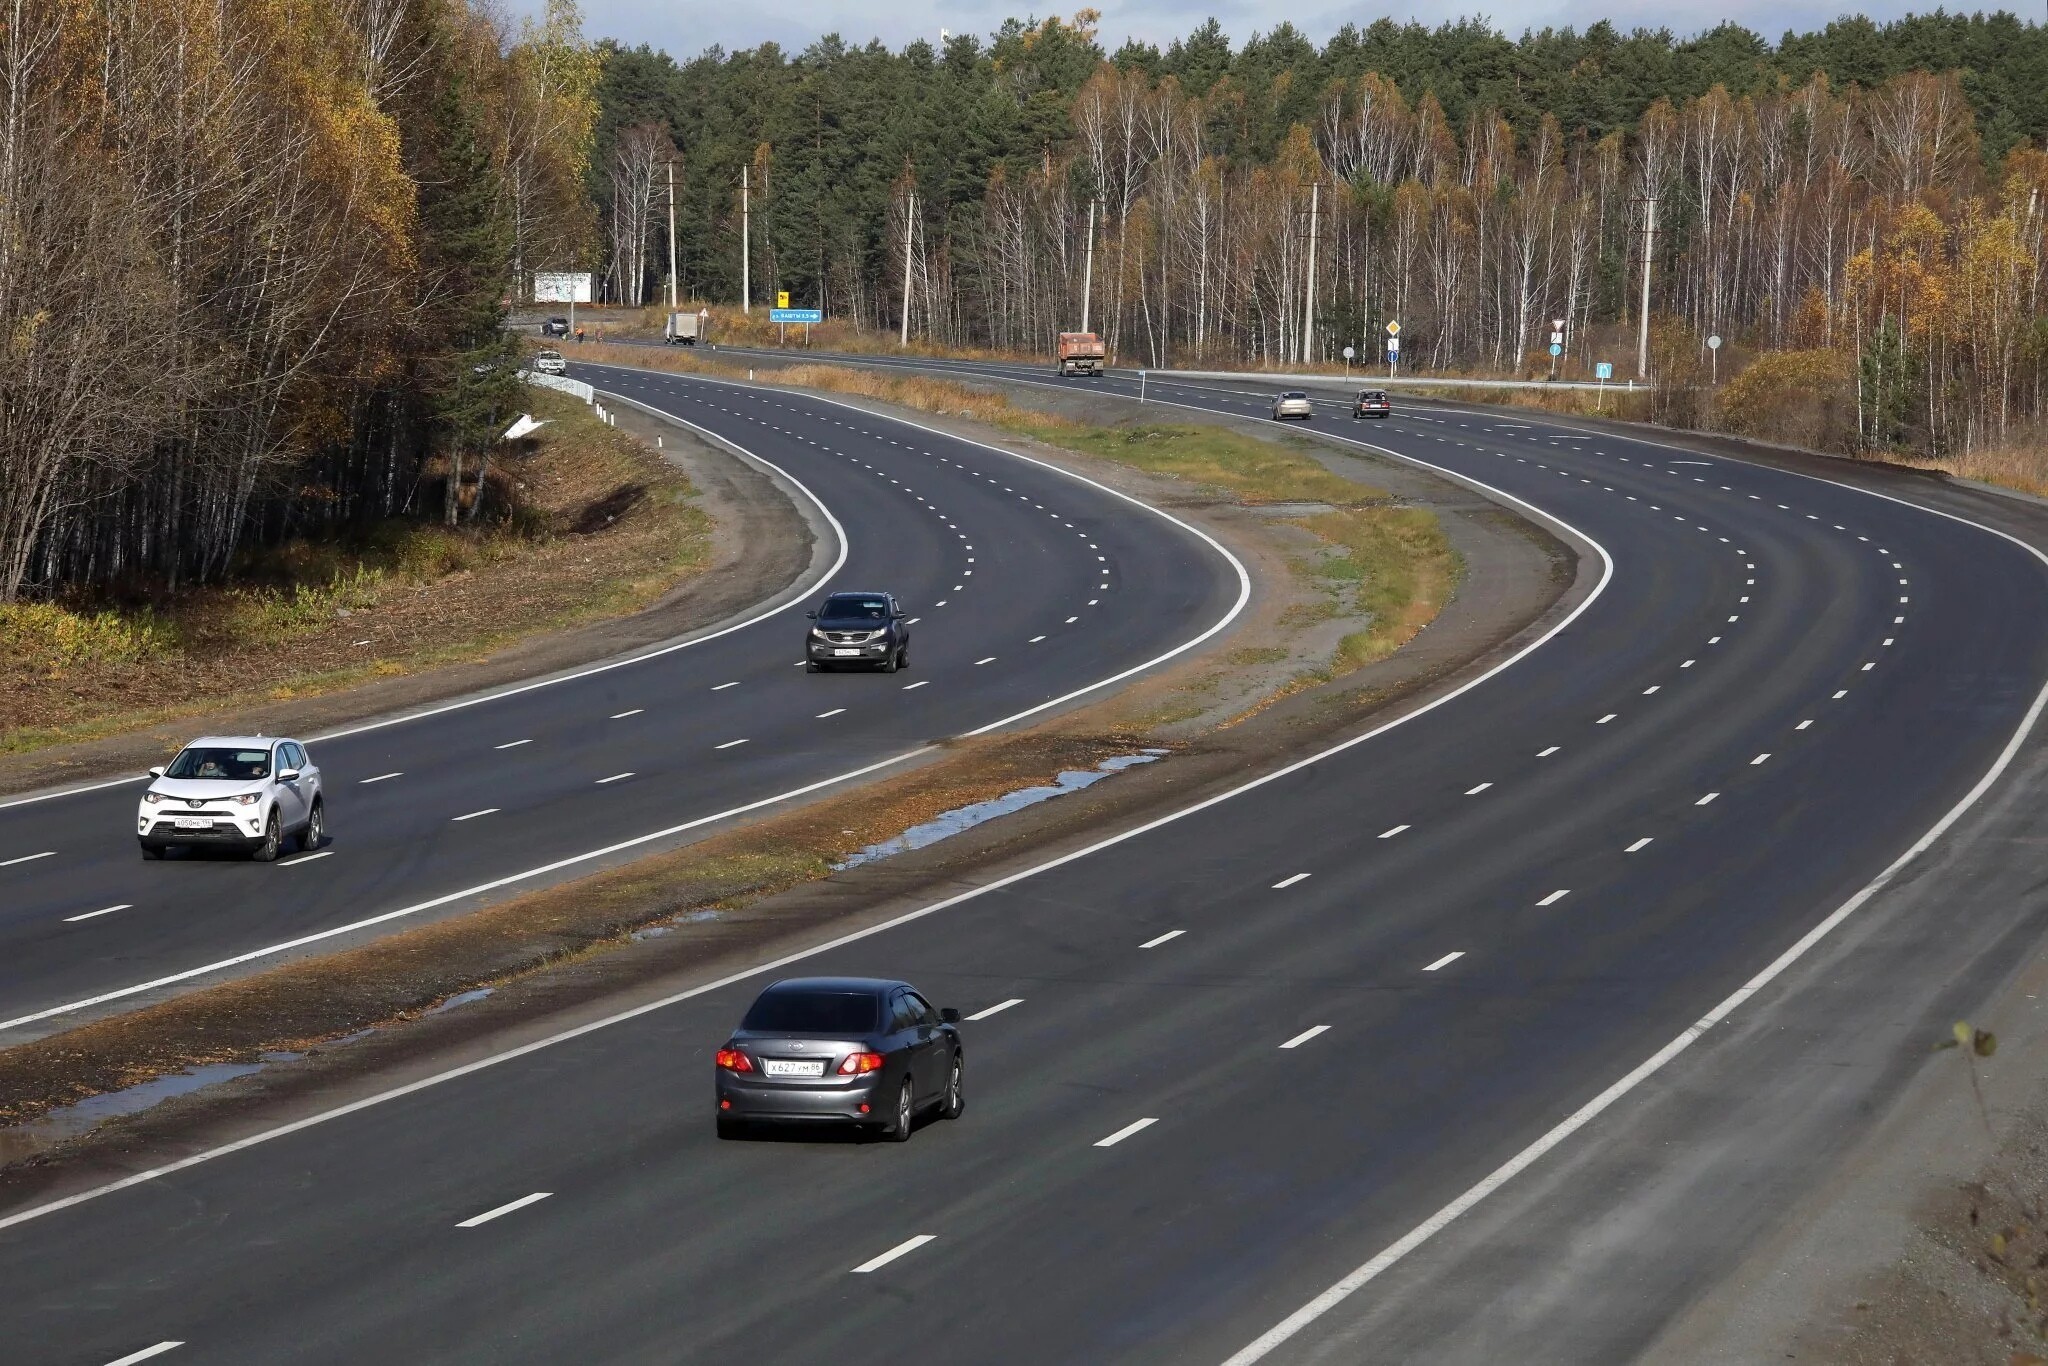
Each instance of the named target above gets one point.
<point>585,523</point>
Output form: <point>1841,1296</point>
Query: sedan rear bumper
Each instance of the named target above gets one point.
<point>799,1104</point>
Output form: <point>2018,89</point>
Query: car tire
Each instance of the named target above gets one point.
<point>315,833</point>
<point>955,1103</point>
<point>903,658</point>
<point>273,840</point>
<point>898,1130</point>
<point>729,1128</point>
<point>889,664</point>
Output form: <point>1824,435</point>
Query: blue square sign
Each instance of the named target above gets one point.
<point>1603,370</point>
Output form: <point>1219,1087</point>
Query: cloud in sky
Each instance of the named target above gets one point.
<point>686,27</point>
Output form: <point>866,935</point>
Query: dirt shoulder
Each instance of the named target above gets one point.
<point>635,933</point>
<point>657,546</point>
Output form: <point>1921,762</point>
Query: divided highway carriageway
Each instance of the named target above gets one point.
<point>1225,1071</point>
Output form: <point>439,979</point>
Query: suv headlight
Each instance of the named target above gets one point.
<point>152,797</point>
<point>247,798</point>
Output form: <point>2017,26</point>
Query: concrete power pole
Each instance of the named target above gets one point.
<point>909,227</point>
<point>1643,321</point>
<point>746,243</point>
<point>1308,317</point>
<point>1088,271</point>
<point>671,237</point>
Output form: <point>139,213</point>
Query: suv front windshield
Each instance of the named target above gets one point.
<point>222,765</point>
<point>855,609</point>
<point>812,1012</point>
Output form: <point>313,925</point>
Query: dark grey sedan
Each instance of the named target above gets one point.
<point>841,1050</point>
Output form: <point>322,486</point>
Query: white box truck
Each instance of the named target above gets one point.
<point>685,329</point>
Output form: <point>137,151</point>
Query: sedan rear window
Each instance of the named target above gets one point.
<point>812,1012</point>
<point>1294,393</point>
<point>229,765</point>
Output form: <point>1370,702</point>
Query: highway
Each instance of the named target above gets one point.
<point>1026,586</point>
<point>1258,1049</point>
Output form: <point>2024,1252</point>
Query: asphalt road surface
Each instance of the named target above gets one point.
<point>1024,585</point>
<point>1220,1065</point>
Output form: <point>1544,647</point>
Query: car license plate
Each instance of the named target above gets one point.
<point>793,1067</point>
<point>843,653</point>
<point>194,823</point>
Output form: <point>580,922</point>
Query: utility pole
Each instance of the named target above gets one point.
<point>1308,317</point>
<point>1088,271</point>
<point>746,243</point>
<point>909,226</point>
<point>671,235</point>
<point>1643,321</point>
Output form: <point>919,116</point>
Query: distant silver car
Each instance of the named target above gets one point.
<point>245,792</point>
<point>551,363</point>
<point>1293,403</point>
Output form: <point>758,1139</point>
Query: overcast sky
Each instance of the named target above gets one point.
<point>686,27</point>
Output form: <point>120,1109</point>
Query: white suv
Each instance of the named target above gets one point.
<point>551,363</point>
<point>237,791</point>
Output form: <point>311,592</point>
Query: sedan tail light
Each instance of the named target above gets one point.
<point>732,1060</point>
<point>857,1063</point>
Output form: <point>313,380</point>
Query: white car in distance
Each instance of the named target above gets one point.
<point>551,363</point>
<point>245,792</point>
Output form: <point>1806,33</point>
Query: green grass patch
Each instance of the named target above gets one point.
<point>1255,470</point>
<point>1398,568</point>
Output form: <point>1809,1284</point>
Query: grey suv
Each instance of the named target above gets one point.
<point>865,629</point>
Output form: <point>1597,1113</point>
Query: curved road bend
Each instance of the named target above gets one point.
<point>1222,1061</point>
<point>1025,584</point>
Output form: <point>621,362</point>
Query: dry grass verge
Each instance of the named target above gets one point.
<point>595,525</point>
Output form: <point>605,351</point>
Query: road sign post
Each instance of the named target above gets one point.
<point>1393,347</point>
<point>1714,359</point>
<point>1349,352</point>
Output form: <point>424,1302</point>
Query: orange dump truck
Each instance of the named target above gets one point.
<point>1081,353</point>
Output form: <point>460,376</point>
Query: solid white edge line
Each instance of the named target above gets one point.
<point>27,858</point>
<point>145,1354</point>
<point>997,1008</point>
<point>1121,1134</point>
<point>907,1245</point>
<point>745,974</point>
<point>521,1203</point>
<point>797,593</point>
<point>1585,1114</point>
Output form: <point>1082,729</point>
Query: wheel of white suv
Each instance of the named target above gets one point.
<point>273,839</point>
<point>315,833</point>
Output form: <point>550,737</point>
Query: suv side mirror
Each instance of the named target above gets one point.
<point>898,615</point>
<point>287,775</point>
<point>948,1015</point>
<point>812,615</point>
<point>157,772</point>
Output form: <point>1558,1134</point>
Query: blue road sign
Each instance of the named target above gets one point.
<point>796,315</point>
<point>1556,350</point>
<point>1603,369</point>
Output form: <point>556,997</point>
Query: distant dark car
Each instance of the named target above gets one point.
<point>840,1050</point>
<point>1372,403</point>
<point>555,327</point>
<point>866,629</point>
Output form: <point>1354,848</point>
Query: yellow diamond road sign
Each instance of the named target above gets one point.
<point>1393,329</point>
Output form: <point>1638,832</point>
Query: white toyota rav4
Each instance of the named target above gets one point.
<point>235,791</point>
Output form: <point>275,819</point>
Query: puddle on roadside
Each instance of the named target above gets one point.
<point>460,999</point>
<point>950,823</point>
<point>25,1140</point>
<point>660,928</point>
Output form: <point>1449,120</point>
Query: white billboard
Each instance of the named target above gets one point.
<point>561,287</point>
